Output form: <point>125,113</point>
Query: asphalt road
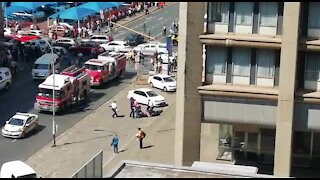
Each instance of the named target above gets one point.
<point>21,96</point>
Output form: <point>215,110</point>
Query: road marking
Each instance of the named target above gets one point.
<point>160,18</point>
<point>136,26</point>
<point>118,34</point>
<point>14,140</point>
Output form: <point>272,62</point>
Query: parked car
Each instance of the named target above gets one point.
<point>17,169</point>
<point>98,38</point>
<point>86,48</point>
<point>5,78</point>
<point>115,46</point>
<point>151,48</point>
<point>134,39</point>
<point>7,31</point>
<point>20,125</point>
<point>164,82</point>
<point>59,50</point>
<point>143,95</point>
<point>42,44</point>
<point>65,42</point>
<point>25,37</point>
<point>35,32</point>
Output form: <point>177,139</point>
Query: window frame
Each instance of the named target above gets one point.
<point>277,15</point>
<point>257,64</point>
<point>212,18</point>
<point>236,13</point>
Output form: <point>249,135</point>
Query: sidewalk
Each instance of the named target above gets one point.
<point>94,133</point>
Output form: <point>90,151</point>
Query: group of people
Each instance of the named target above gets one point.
<point>140,135</point>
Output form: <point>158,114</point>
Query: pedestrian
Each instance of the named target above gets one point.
<point>140,136</point>
<point>132,107</point>
<point>136,108</point>
<point>114,109</point>
<point>114,143</point>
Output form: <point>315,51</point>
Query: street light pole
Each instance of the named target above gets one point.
<point>53,97</point>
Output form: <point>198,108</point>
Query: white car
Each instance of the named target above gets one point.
<point>20,125</point>
<point>66,25</point>
<point>164,82</point>
<point>151,48</point>
<point>17,169</point>
<point>5,78</point>
<point>22,13</point>
<point>7,31</point>
<point>38,43</point>
<point>143,95</point>
<point>58,50</point>
<point>35,32</point>
<point>68,41</point>
<point>115,46</point>
<point>98,38</point>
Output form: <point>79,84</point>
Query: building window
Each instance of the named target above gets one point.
<point>314,14</point>
<point>266,59</point>
<point>216,60</point>
<point>302,143</point>
<point>312,66</point>
<point>218,12</point>
<point>244,11</point>
<point>241,61</point>
<point>268,13</point>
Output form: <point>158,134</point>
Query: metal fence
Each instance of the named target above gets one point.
<point>92,169</point>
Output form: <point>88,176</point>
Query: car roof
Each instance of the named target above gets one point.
<point>18,168</point>
<point>96,35</point>
<point>20,116</point>
<point>65,39</point>
<point>143,89</point>
<point>118,42</point>
<point>4,69</point>
<point>162,75</point>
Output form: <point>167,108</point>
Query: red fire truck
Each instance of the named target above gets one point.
<point>71,86</point>
<point>106,67</point>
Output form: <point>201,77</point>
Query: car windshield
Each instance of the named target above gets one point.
<point>41,66</point>
<point>168,79</point>
<point>48,93</point>
<point>93,67</point>
<point>16,122</point>
<point>152,94</point>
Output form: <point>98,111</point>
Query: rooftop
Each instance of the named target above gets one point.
<point>132,169</point>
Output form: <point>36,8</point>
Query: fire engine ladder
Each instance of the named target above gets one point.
<point>73,71</point>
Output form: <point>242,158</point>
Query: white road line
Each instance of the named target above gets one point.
<point>160,18</point>
<point>136,26</point>
<point>118,34</point>
<point>14,140</point>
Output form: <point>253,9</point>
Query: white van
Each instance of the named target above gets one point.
<point>42,68</point>
<point>17,169</point>
<point>5,78</point>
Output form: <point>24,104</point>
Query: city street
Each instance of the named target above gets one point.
<point>21,96</point>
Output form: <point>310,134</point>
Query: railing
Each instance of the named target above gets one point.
<point>92,169</point>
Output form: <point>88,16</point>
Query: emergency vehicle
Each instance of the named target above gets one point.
<point>71,86</point>
<point>106,67</point>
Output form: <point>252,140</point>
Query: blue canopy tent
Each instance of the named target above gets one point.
<point>97,6</point>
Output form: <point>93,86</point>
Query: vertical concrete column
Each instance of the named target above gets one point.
<point>288,62</point>
<point>188,103</point>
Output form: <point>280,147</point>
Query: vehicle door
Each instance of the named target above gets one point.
<point>150,50</point>
<point>29,124</point>
<point>111,46</point>
<point>144,97</point>
<point>2,82</point>
<point>140,96</point>
<point>157,82</point>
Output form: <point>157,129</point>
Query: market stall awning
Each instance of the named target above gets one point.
<point>97,6</point>
<point>74,13</point>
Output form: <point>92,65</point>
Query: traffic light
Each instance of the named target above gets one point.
<point>8,4</point>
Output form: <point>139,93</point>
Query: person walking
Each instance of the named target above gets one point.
<point>114,109</point>
<point>132,113</point>
<point>140,136</point>
<point>114,143</point>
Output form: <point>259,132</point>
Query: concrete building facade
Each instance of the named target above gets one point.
<point>258,102</point>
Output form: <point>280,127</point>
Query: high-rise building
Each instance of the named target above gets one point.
<point>259,100</point>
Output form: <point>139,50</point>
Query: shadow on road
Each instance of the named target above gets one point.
<point>146,147</point>
<point>39,129</point>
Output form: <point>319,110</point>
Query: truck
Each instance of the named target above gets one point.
<point>71,86</point>
<point>105,68</point>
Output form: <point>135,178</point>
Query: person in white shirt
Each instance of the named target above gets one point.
<point>114,109</point>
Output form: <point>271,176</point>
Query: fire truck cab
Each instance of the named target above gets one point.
<point>71,86</point>
<point>105,68</point>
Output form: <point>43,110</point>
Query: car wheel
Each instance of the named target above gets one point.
<point>36,128</point>
<point>165,89</point>
<point>7,87</point>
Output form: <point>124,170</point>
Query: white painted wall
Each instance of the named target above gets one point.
<point>240,80</point>
<point>266,82</point>
<point>272,31</point>
<point>243,29</point>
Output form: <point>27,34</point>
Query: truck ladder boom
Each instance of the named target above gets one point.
<point>72,71</point>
